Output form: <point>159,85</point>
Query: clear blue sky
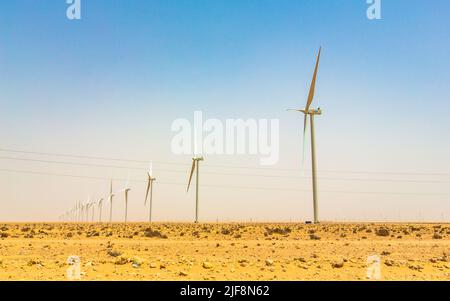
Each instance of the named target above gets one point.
<point>128,68</point>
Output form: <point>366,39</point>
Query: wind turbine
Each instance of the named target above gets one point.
<point>88,205</point>
<point>150,180</point>
<point>77,212</point>
<point>126,189</point>
<point>195,166</point>
<point>110,198</point>
<point>312,112</point>
<point>92,204</point>
<point>83,212</point>
<point>100,205</point>
<point>86,212</point>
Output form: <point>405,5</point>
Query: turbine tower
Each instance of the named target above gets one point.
<point>92,204</point>
<point>312,112</point>
<point>150,180</point>
<point>110,198</point>
<point>86,211</point>
<point>126,189</point>
<point>100,205</point>
<point>195,166</point>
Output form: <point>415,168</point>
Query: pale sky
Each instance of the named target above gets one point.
<point>111,84</point>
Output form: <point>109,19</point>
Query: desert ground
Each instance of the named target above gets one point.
<point>216,251</point>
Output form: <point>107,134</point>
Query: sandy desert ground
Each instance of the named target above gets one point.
<point>238,251</point>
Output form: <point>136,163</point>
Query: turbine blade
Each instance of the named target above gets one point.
<point>192,172</point>
<point>313,83</point>
<point>148,189</point>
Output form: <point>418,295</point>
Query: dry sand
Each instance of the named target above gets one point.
<point>240,251</point>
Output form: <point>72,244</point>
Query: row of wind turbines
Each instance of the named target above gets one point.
<point>82,211</point>
<point>85,212</point>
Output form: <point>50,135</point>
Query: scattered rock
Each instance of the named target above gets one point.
<point>314,237</point>
<point>32,262</point>
<point>225,231</point>
<point>136,262</point>
<point>337,264</point>
<point>437,236</point>
<point>92,233</point>
<point>121,261</point>
<point>154,233</point>
<point>415,267</point>
<point>278,230</point>
<point>114,253</point>
<point>207,265</point>
<point>269,262</point>
<point>382,232</point>
<point>183,273</point>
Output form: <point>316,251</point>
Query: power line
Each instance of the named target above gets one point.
<point>228,187</point>
<point>224,174</point>
<point>220,166</point>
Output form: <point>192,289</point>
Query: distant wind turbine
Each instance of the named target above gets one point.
<point>110,199</point>
<point>86,212</point>
<point>126,189</point>
<point>195,166</point>
<point>92,204</point>
<point>78,212</point>
<point>311,112</point>
<point>100,205</point>
<point>150,180</point>
<point>88,206</point>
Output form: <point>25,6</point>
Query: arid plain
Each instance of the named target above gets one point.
<point>216,251</point>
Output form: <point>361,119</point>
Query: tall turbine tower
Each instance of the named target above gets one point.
<point>100,205</point>
<point>92,204</point>
<point>86,209</point>
<point>110,198</point>
<point>126,189</point>
<point>150,180</point>
<point>312,112</point>
<point>195,166</point>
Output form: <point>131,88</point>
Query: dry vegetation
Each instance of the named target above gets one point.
<point>172,251</point>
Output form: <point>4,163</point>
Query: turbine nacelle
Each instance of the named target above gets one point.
<point>150,178</point>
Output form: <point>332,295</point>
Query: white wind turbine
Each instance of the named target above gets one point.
<point>84,211</point>
<point>81,211</point>
<point>126,189</point>
<point>150,180</point>
<point>312,112</point>
<point>110,199</point>
<point>195,166</point>
<point>100,205</point>
<point>78,212</point>
<point>87,206</point>
<point>92,204</point>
